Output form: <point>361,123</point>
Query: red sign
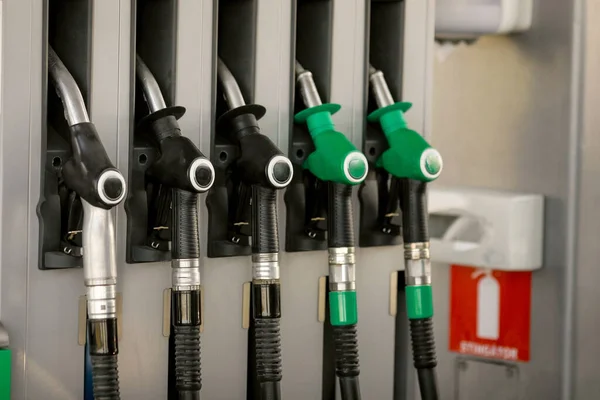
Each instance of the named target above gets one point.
<point>490,313</point>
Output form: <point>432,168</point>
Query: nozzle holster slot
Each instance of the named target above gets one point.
<point>228,202</point>
<point>380,216</point>
<point>68,28</point>
<point>148,202</point>
<point>305,197</point>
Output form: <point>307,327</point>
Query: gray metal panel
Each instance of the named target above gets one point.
<point>586,353</point>
<point>503,105</point>
<point>15,122</point>
<point>39,308</point>
<point>478,380</point>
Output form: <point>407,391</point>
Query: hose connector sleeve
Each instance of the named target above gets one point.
<point>419,302</point>
<point>409,155</point>
<point>89,172</point>
<point>266,300</point>
<point>343,308</point>
<point>335,158</point>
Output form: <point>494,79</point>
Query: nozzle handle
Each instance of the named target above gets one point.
<point>409,155</point>
<point>335,158</point>
<point>260,161</point>
<point>89,172</point>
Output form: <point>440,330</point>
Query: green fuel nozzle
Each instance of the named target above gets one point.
<point>412,163</point>
<point>335,158</point>
<point>337,162</point>
<point>409,155</point>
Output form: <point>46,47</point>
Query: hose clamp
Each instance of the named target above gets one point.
<point>342,274</point>
<point>185,274</point>
<point>265,266</point>
<point>102,301</point>
<point>416,251</point>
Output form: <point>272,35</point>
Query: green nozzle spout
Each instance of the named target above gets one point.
<point>335,158</point>
<point>409,154</point>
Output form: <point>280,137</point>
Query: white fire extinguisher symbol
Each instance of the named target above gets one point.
<point>488,305</point>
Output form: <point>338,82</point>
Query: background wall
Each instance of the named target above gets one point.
<point>505,117</point>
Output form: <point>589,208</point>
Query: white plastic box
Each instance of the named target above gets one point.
<point>486,228</point>
<point>465,19</point>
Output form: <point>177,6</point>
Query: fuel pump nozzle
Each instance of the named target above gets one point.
<point>187,172</point>
<point>337,162</point>
<point>262,167</point>
<point>91,175</point>
<point>412,162</point>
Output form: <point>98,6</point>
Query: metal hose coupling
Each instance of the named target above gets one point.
<point>185,274</point>
<point>417,263</point>
<point>342,275</point>
<point>265,266</point>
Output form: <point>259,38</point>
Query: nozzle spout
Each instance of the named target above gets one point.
<point>231,89</point>
<point>67,90</point>
<point>152,93</point>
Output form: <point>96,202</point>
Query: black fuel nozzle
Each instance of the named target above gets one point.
<point>183,172</point>
<point>180,163</point>
<point>263,168</point>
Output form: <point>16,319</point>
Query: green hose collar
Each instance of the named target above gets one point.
<point>343,308</point>
<point>419,302</point>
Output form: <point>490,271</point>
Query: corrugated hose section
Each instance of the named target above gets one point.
<point>265,236</point>
<point>346,350</point>
<point>340,227</point>
<point>105,377</point>
<point>268,349</point>
<point>423,343</point>
<point>187,358</point>
<point>186,243</point>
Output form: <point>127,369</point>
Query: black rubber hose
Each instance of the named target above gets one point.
<point>185,242</point>
<point>268,357</point>
<point>103,347</point>
<point>425,361</point>
<point>346,350</point>
<point>187,361</point>
<point>347,366</point>
<point>350,388</point>
<point>105,377</point>
<point>265,233</point>
<point>428,384</point>
<point>414,211</point>
<point>340,224</point>
<point>270,391</point>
